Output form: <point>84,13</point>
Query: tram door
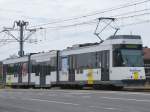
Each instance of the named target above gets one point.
<point>71,68</point>
<point>105,65</point>
<point>20,72</point>
<point>4,71</point>
<point>42,75</point>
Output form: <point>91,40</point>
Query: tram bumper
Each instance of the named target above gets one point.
<point>134,83</point>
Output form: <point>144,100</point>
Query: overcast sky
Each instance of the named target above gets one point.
<point>43,11</point>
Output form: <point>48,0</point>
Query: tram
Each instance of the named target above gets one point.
<point>117,61</point>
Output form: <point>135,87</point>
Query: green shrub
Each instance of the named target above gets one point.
<point>0,77</point>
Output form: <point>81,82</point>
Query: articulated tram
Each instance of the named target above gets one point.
<point>117,61</point>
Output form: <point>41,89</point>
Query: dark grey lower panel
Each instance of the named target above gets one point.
<point>85,83</point>
<point>43,86</point>
<point>133,82</point>
<point>20,84</point>
<point>112,82</point>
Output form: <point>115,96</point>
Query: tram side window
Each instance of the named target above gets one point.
<point>20,68</point>
<point>24,68</point>
<point>44,67</point>
<point>16,70</point>
<point>64,63</point>
<point>53,63</point>
<point>99,59</point>
<point>35,69</point>
<point>5,69</point>
<point>72,61</point>
<point>10,70</point>
<point>48,69</point>
<point>86,61</point>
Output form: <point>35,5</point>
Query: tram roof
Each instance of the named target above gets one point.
<point>124,37</point>
<point>15,60</point>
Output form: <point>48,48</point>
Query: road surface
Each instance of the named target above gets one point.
<point>73,101</point>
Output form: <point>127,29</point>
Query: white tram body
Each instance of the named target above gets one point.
<point>117,61</point>
<point>43,68</point>
<point>99,63</point>
<point>16,71</point>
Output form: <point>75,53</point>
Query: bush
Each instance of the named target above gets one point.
<point>1,84</point>
<point>0,77</point>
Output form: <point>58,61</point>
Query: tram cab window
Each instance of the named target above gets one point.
<point>128,56</point>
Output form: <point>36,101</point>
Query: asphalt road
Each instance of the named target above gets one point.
<point>73,101</point>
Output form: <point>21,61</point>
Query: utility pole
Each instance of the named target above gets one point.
<point>22,28</point>
<point>21,24</point>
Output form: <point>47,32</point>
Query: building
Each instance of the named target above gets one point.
<point>0,71</point>
<point>147,62</point>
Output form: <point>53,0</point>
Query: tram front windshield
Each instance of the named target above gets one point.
<point>124,57</point>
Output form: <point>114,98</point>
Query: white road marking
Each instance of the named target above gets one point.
<point>105,108</point>
<point>68,95</point>
<point>11,97</point>
<point>93,106</point>
<point>40,94</point>
<point>127,93</point>
<point>86,96</point>
<point>52,95</point>
<point>111,92</point>
<point>68,103</point>
<point>58,102</point>
<point>125,99</point>
<point>110,108</point>
<point>78,92</point>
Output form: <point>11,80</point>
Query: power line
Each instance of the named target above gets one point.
<point>130,12</point>
<point>94,20</point>
<point>92,14</point>
<point>91,22</point>
<point>135,23</point>
<point>125,17</point>
<point>72,25</point>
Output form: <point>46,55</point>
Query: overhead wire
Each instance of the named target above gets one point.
<point>92,14</point>
<point>123,17</point>
<point>131,12</point>
<point>93,21</point>
<point>72,25</point>
<point>135,23</point>
<point>136,15</point>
